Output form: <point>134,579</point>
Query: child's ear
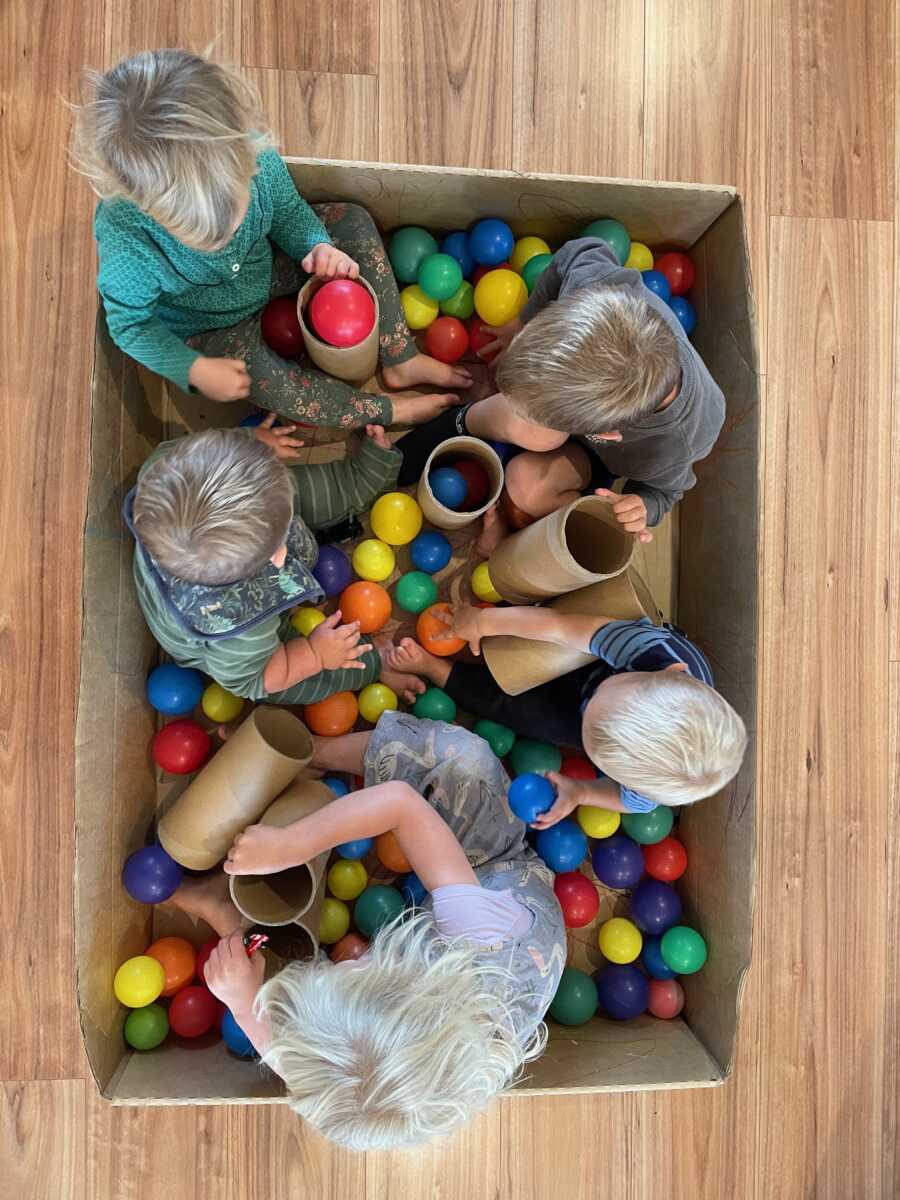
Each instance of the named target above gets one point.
<point>677,667</point>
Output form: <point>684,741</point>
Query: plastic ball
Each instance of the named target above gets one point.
<point>529,796</point>
<point>193,1011</point>
<point>150,876</point>
<point>504,450</point>
<point>305,620</point>
<point>420,310</point>
<point>482,585</point>
<point>461,304</point>
<point>479,273</point>
<point>139,981</point>
<point>657,283</point>
<point>678,270</point>
<point>332,570</point>
<point>618,862</point>
<point>235,1038</point>
<point>178,960</point>
<point>525,250</point>
<point>174,690</point>
<point>347,878</point>
<point>181,747</point>
<point>334,921</point>
<point>613,233</point>
<point>447,339</point>
<point>563,846</point>
<point>413,890</point>
<point>358,848</point>
<point>406,250</point>
<point>448,487</point>
<point>434,635</point>
<point>377,906</point>
<point>490,241</point>
<point>649,827</point>
<point>396,518</point>
<point>332,716</point>
<point>576,998</point>
<point>665,860</point>
<point>619,940</point>
<point>367,603</point>
<point>500,739</point>
<point>478,485</point>
<point>221,705</point>
<point>415,591</point>
<point>390,853</point>
<point>577,767</point>
<point>456,244</point>
<point>348,948</point>
<point>146,1028</point>
<point>597,822</point>
<point>439,276</point>
<point>479,337</point>
<point>655,906</point>
<point>373,560</point>
<point>430,552</point>
<point>623,991</point>
<point>533,269</point>
<point>342,312</point>
<point>685,312</point>
<point>653,961</point>
<point>500,296</point>
<point>202,958</point>
<point>374,699</point>
<point>683,949</point>
<point>530,755</point>
<point>337,785</point>
<point>665,998</point>
<point>640,257</point>
<point>435,705</point>
<point>280,327</point>
<point>578,899</point>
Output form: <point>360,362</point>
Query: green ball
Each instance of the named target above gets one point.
<point>435,705</point>
<point>461,304</point>
<point>415,591</point>
<point>146,1027</point>
<point>407,249</point>
<point>537,757</point>
<point>375,907</point>
<point>649,827</point>
<point>683,950</point>
<point>533,268</point>
<point>498,737</point>
<point>613,233</point>
<point>439,276</point>
<point>576,998</point>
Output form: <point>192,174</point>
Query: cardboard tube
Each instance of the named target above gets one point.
<point>232,791</point>
<point>459,447</point>
<point>353,364</point>
<point>519,664</point>
<point>285,896</point>
<point>573,547</point>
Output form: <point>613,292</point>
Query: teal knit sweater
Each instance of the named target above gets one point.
<point>157,291</point>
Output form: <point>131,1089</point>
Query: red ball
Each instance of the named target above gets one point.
<point>479,337</point>
<point>578,898</point>
<point>482,270</point>
<point>181,747</point>
<point>577,767</point>
<point>678,270</point>
<point>665,860</point>
<point>447,339</point>
<point>342,312</point>
<point>193,1012</point>
<point>281,327</point>
<point>477,482</point>
<point>350,946</point>
<point>666,998</point>
<point>202,955</point>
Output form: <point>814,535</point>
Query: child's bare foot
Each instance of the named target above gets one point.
<point>406,686</point>
<point>410,656</point>
<point>209,901</point>
<point>416,410</point>
<point>423,369</point>
<point>493,531</point>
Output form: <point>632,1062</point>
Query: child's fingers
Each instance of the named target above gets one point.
<point>445,618</point>
<point>333,621</point>
<point>629,504</point>
<point>267,422</point>
<point>354,270</point>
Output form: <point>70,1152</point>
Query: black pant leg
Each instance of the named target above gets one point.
<point>550,713</point>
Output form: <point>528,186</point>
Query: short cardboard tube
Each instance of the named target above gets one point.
<point>443,455</point>
<point>353,364</point>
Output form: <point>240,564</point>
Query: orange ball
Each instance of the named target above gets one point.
<point>350,946</point>
<point>178,959</point>
<point>332,716</point>
<point>433,634</point>
<point>390,855</point>
<point>367,603</point>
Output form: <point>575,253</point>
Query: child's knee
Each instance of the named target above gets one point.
<point>540,483</point>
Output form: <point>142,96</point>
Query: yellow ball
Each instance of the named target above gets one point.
<point>418,308</point>
<point>373,560</point>
<point>620,940</point>
<point>482,585</point>
<point>640,257</point>
<point>305,620</point>
<point>499,296</point>
<point>395,518</point>
<point>526,248</point>
<point>597,822</point>
<point>347,879</point>
<point>139,981</point>
<point>334,921</point>
<point>221,706</point>
<point>374,700</point>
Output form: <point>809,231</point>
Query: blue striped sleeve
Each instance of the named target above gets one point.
<point>634,801</point>
<point>641,645</point>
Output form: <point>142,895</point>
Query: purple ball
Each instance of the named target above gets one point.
<point>333,570</point>
<point>655,906</point>
<point>623,990</point>
<point>618,861</point>
<point>150,875</point>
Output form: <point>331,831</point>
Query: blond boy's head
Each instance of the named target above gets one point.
<point>587,363</point>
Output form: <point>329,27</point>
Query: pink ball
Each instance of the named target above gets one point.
<point>666,998</point>
<point>342,312</point>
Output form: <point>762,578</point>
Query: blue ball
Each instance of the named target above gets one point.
<point>658,284</point>
<point>685,312</point>
<point>618,861</point>
<point>623,990</point>
<point>491,241</point>
<point>175,690</point>
<point>150,875</point>
<point>337,785</point>
<point>448,486</point>
<point>563,846</point>
<point>530,795</point>
<point>430,551</point>
<point>358,849</point>
<point>413,890</point>
<point>651,957</point>
<point>504,450</point>
<point>333,571</point>
<point>235,1038</point>
<point>655,906</point>
<point>457,246</point>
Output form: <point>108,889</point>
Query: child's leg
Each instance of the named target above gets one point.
<point>210,901</point>
<point>539,484</point>
<point>340,753</point>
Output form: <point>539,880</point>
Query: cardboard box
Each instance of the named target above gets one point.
<point>715,581</point>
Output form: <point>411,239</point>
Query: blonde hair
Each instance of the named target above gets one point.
<point>590,361</point>
<point>406,1045</point>
<point>215,508</point>
<point>175,134</point>
<point>670,737</point>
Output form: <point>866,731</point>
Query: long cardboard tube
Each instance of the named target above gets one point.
<point>519,664</point>
<point>353,364</point>
<point>236,787</point>
<point>571,548</point>
<point>453,448</point>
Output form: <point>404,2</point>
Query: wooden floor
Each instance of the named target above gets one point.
<point>793,101</point>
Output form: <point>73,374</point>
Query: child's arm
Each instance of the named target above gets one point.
<point>330,647</point>
<point>295,227</point>
<point>331,491</point>
<point>572,793</point>
<point>494,417</point>
<point>540,624</point>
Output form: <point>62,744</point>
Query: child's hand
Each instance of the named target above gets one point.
<point>630,510</point>
<point>232,976</point>
<point>379,436</point>
<point>222,379</point>
<point>327,262</point>
<point>279,438</point>
<point>338,646</point>
<point>568,796</point>
<point>503,335</point>
<point>261,850</point>
<point>463,622</point>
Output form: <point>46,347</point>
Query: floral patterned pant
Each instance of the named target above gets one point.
<point>298,390</point>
